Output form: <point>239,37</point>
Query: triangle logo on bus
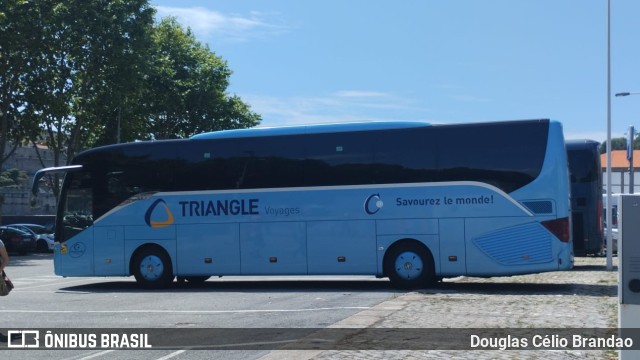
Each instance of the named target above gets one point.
<point>158,216</point>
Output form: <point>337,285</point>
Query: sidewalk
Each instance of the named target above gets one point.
<point>585,297</point>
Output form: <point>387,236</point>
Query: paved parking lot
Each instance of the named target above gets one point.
<point>585,297</point>
<point>43,300</point>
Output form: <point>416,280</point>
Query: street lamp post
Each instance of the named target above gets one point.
<point>630,137</point>
<point>609,207</point>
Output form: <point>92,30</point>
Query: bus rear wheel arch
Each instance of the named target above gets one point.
<point>409,265</point>
<point>152,268</point>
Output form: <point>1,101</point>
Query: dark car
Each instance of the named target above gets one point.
<point>44,236</point>
<point>16,240</point>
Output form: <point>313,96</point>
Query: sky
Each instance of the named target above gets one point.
<point>439,61</point>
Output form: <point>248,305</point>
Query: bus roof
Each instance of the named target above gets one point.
<point>581,143</point>
<point>310,129</point>
<point>297,130</point>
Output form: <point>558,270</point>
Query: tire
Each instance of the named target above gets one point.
<point>409,265</point>
<point>152,268</point>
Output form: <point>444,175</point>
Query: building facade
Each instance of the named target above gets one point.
<point>620,172</point>
<point>18,202</point>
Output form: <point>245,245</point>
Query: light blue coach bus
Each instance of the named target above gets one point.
<point>405,200</point>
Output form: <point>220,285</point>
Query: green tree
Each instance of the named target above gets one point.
<point>616,144</point>
<point>75,63</point>
<point>186,90</point>
<point>114,71</point>
<point>77,73</point>
<point>102,47</point>
<point>12,179</point>
<point>70,67</point>
<point>19,45</point>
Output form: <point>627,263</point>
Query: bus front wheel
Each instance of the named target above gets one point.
<point>152,268</point>
<point>409,265</point>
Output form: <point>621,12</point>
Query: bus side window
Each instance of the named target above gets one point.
<point>339,159</point>
<point>266,163</point>
<point>407,156</point>
<point>116,185</point>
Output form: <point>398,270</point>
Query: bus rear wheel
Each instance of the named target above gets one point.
<point>152,268</point>
<point>409,265</point>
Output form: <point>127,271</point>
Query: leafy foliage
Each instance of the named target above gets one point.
<point>77,74</point>
<point>12,179</point>
<point>186,88</point>
<point>619,144</point>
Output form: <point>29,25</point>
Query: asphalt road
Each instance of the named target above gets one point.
<point>43,300</point>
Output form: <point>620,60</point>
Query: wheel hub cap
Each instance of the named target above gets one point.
<point>409,265</point>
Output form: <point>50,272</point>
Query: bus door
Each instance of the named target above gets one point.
<point>73,254</point>
<point>453,254</point>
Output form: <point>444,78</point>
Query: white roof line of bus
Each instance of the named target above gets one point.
<point>310,129</point>
<point>327,128</point>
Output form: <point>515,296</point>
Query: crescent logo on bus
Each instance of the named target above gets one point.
<point>151,216</point>
<point>373,204</point>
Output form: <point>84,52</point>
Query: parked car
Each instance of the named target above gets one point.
<point>16,240</point>
<point>44,236</point>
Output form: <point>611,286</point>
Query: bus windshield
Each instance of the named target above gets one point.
<point>584,165</point>
<point>77,212</point>
<point>586,197</point>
